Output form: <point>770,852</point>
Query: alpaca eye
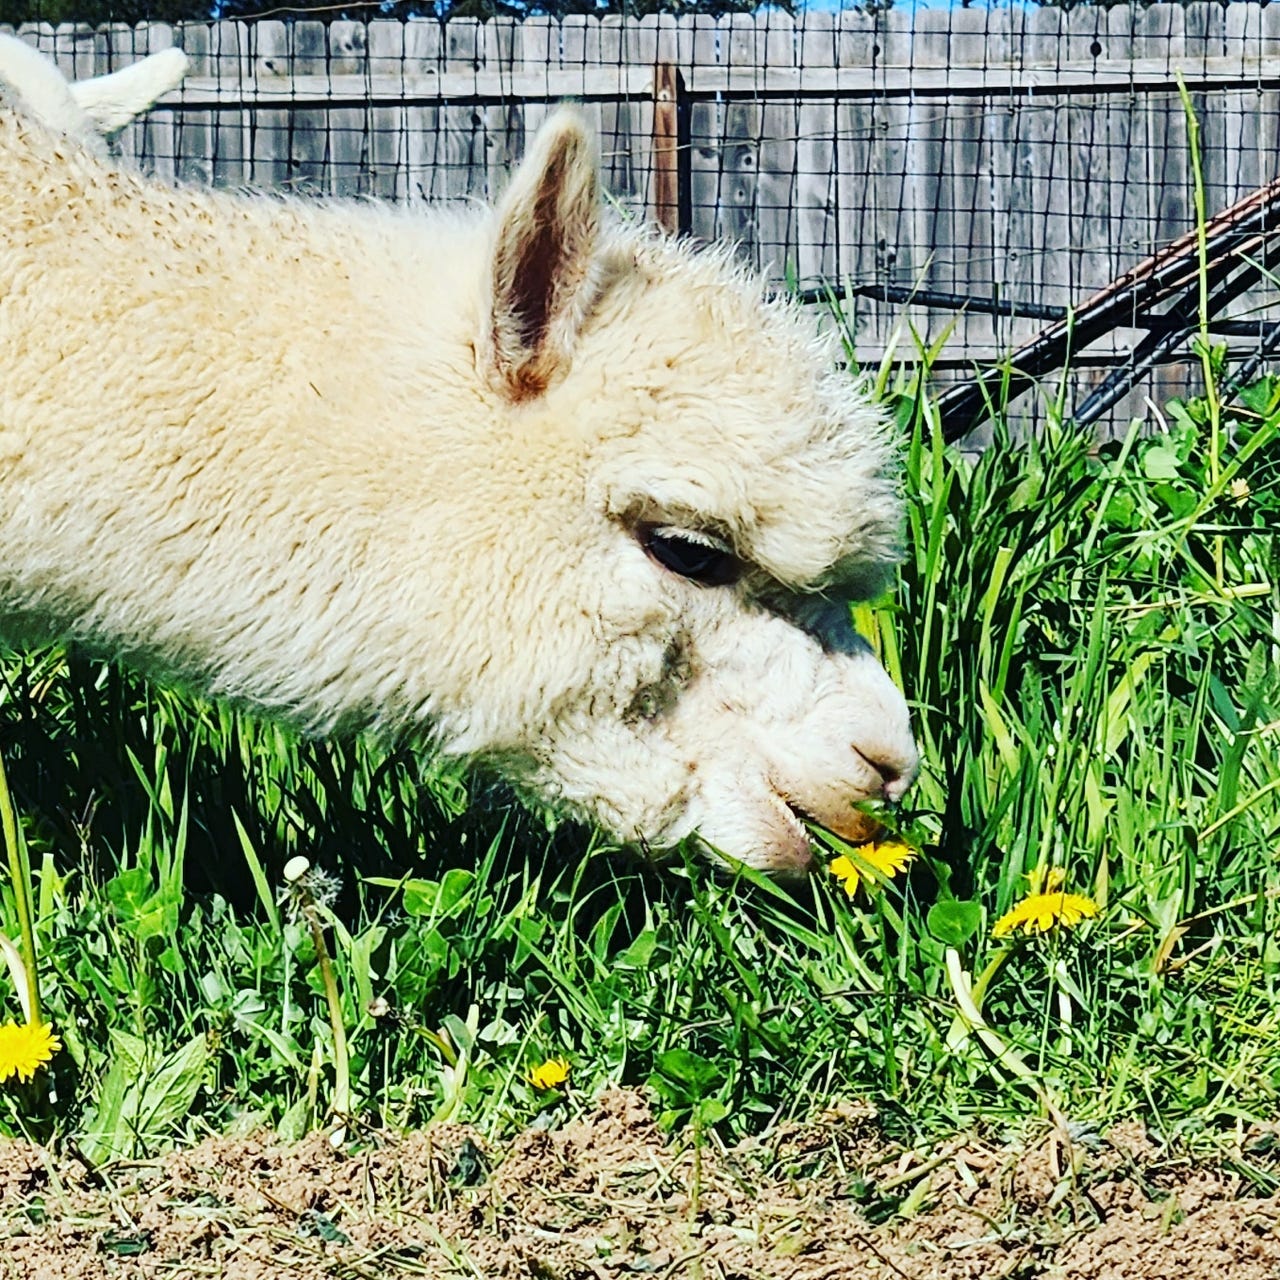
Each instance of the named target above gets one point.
<point>696,556</point>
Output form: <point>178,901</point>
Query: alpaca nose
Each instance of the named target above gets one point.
<point>895,783</point>
<point>897,770</point>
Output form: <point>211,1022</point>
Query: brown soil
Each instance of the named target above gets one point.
<point>607,1197</point>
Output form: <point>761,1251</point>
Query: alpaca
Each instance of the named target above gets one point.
<point>578,501</point>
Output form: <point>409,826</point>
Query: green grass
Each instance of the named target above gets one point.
<point>1089,639</point>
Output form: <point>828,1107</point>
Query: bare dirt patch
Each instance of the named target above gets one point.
<point>606,1196</point>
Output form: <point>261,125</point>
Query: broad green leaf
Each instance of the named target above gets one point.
<point>1160,462</point>
<point>170,1092</point>
<point>954,921</point>
<point>693,1074</point>
<point>296,1122</point>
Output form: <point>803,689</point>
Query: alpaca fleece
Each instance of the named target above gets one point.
<point>355,465</point>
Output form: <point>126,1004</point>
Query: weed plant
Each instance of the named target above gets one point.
<point>1088,635</point>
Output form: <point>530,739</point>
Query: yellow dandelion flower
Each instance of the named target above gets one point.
<point>885,859</point>
<point>1046,879</point>
<point>25,1047</point>
<point>549,1074</point>
<point>1045,906</point>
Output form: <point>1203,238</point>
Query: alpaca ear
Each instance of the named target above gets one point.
<point>543,271</point>
<point>115,100</point>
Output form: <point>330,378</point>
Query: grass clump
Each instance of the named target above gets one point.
<point>1088,636</point>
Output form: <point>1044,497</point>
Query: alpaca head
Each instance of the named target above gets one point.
<point>591,507</point>
<point>719,493</point>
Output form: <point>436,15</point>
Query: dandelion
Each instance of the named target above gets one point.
<point>885,859</point>
<point>1240,491</point>
<point>1045,906</point>
<point>295,869</point>
<point>25,1047</point>
<point>549,1074</point>
<point>307,887</point>
<point>307,892</point>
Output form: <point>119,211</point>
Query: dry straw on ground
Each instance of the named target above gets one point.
<point>607,1196</point>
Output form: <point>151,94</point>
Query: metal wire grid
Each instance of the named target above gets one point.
<point>1017,158</point>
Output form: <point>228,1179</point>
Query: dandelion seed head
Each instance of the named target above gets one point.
<point>295,869</point>
<point>324,888</point>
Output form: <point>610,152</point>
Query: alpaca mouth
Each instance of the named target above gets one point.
<point>800,817</point>
<point>859,828</point>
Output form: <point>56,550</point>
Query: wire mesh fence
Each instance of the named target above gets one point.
<point>964,174</point>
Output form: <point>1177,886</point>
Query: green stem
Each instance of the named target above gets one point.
<point>1003,1053</point>
<point>1206,351</point>
<point>20,877</point>
<point>695,1190</point>
<point>341,1059</point>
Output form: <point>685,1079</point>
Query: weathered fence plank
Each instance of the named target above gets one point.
<point>1019,156</point>
<point>816,238</point>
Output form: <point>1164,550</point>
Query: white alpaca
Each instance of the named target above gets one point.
<point>574,498</point>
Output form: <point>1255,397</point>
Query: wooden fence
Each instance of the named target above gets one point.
<point>1018,156</point>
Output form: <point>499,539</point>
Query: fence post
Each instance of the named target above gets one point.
<point>672,197</point>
